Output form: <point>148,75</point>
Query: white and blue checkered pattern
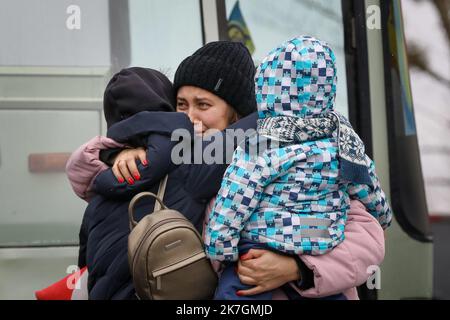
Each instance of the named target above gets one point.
<point>297,79</point>
<point>290,197</point>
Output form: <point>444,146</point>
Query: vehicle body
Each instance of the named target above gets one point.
<point>53,70</point>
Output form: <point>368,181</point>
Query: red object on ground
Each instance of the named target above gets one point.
<point>60,290</point>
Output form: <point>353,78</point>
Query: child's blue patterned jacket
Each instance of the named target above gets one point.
<point>294,194</point>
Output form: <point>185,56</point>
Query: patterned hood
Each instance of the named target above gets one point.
<point>295,94</point>
<point>297,79</point>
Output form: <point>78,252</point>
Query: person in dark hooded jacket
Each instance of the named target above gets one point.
<point>104,232</point>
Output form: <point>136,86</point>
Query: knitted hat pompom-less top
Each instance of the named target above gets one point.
<point>225,69</point>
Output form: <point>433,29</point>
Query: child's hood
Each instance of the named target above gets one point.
<point>297,79</point>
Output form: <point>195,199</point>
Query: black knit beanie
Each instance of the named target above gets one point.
<point>133,90</point>
<point>225,69</point>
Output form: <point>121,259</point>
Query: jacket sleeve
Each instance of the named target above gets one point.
<point>372,197</point>
<point>205,179</point>
<point>159,149</point>
<point>84,165</point>
<point>153,130</point>
<point>346,266</point>
<point>108,156</point>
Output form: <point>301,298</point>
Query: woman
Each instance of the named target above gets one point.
<point>214,95</point>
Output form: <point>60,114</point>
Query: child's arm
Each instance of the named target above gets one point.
<point>84,165</point>
<point>372,197</point>
<point>238,197</point>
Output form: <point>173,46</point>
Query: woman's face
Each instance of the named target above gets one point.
<point>206,110</point>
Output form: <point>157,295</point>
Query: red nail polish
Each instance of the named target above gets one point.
<point>145,163</point>
<point>130,181</point>
<point>239,293</point>
<point>121,180</point>
<point>137,176</point>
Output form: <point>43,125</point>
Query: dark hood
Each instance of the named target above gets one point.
<point>133,90</point>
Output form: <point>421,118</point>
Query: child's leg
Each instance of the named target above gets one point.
<point>229,284</point>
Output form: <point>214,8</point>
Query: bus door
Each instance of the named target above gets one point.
<point>374,92</point>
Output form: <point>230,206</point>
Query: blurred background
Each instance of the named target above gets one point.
<point>56,57</point>
<point>427,27</point>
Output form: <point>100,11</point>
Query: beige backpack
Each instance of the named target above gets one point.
<point>166,255</point>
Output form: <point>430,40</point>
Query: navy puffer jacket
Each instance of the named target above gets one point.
<point>189,189</point>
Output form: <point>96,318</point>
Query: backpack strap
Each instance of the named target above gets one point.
<point>161,191</point>
<point>158,201</point>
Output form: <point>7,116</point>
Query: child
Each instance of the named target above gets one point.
<point>292,197</point>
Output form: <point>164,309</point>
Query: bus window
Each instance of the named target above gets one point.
<point>407,185</point>
<point>38,33</point>
<point>56,59</point>
<point>163,33</point>
<point>51,82</point>
<point>267,23</point>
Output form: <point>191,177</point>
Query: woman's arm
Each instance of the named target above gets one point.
<point>84,165</point>
<point>158,151</point>
<point>125,167</point>
<point>342,268</point>
<point>346,266</point>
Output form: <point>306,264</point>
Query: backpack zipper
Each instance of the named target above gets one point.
<point>157,274</point>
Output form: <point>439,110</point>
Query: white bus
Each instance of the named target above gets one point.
<point>56,57</point>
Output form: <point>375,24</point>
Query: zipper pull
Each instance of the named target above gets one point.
<point>158,283</point>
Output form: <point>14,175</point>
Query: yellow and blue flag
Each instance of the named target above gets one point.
<point>238,30</point>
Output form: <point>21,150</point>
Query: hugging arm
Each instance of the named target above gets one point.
<point>204,179</point>
<point>159,151</point>
<point>84,165</point>
<point>338,271</point>
<point>347,265</point>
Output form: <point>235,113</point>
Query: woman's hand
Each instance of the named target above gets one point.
<point>265,270</point>
<point>125,167</point>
